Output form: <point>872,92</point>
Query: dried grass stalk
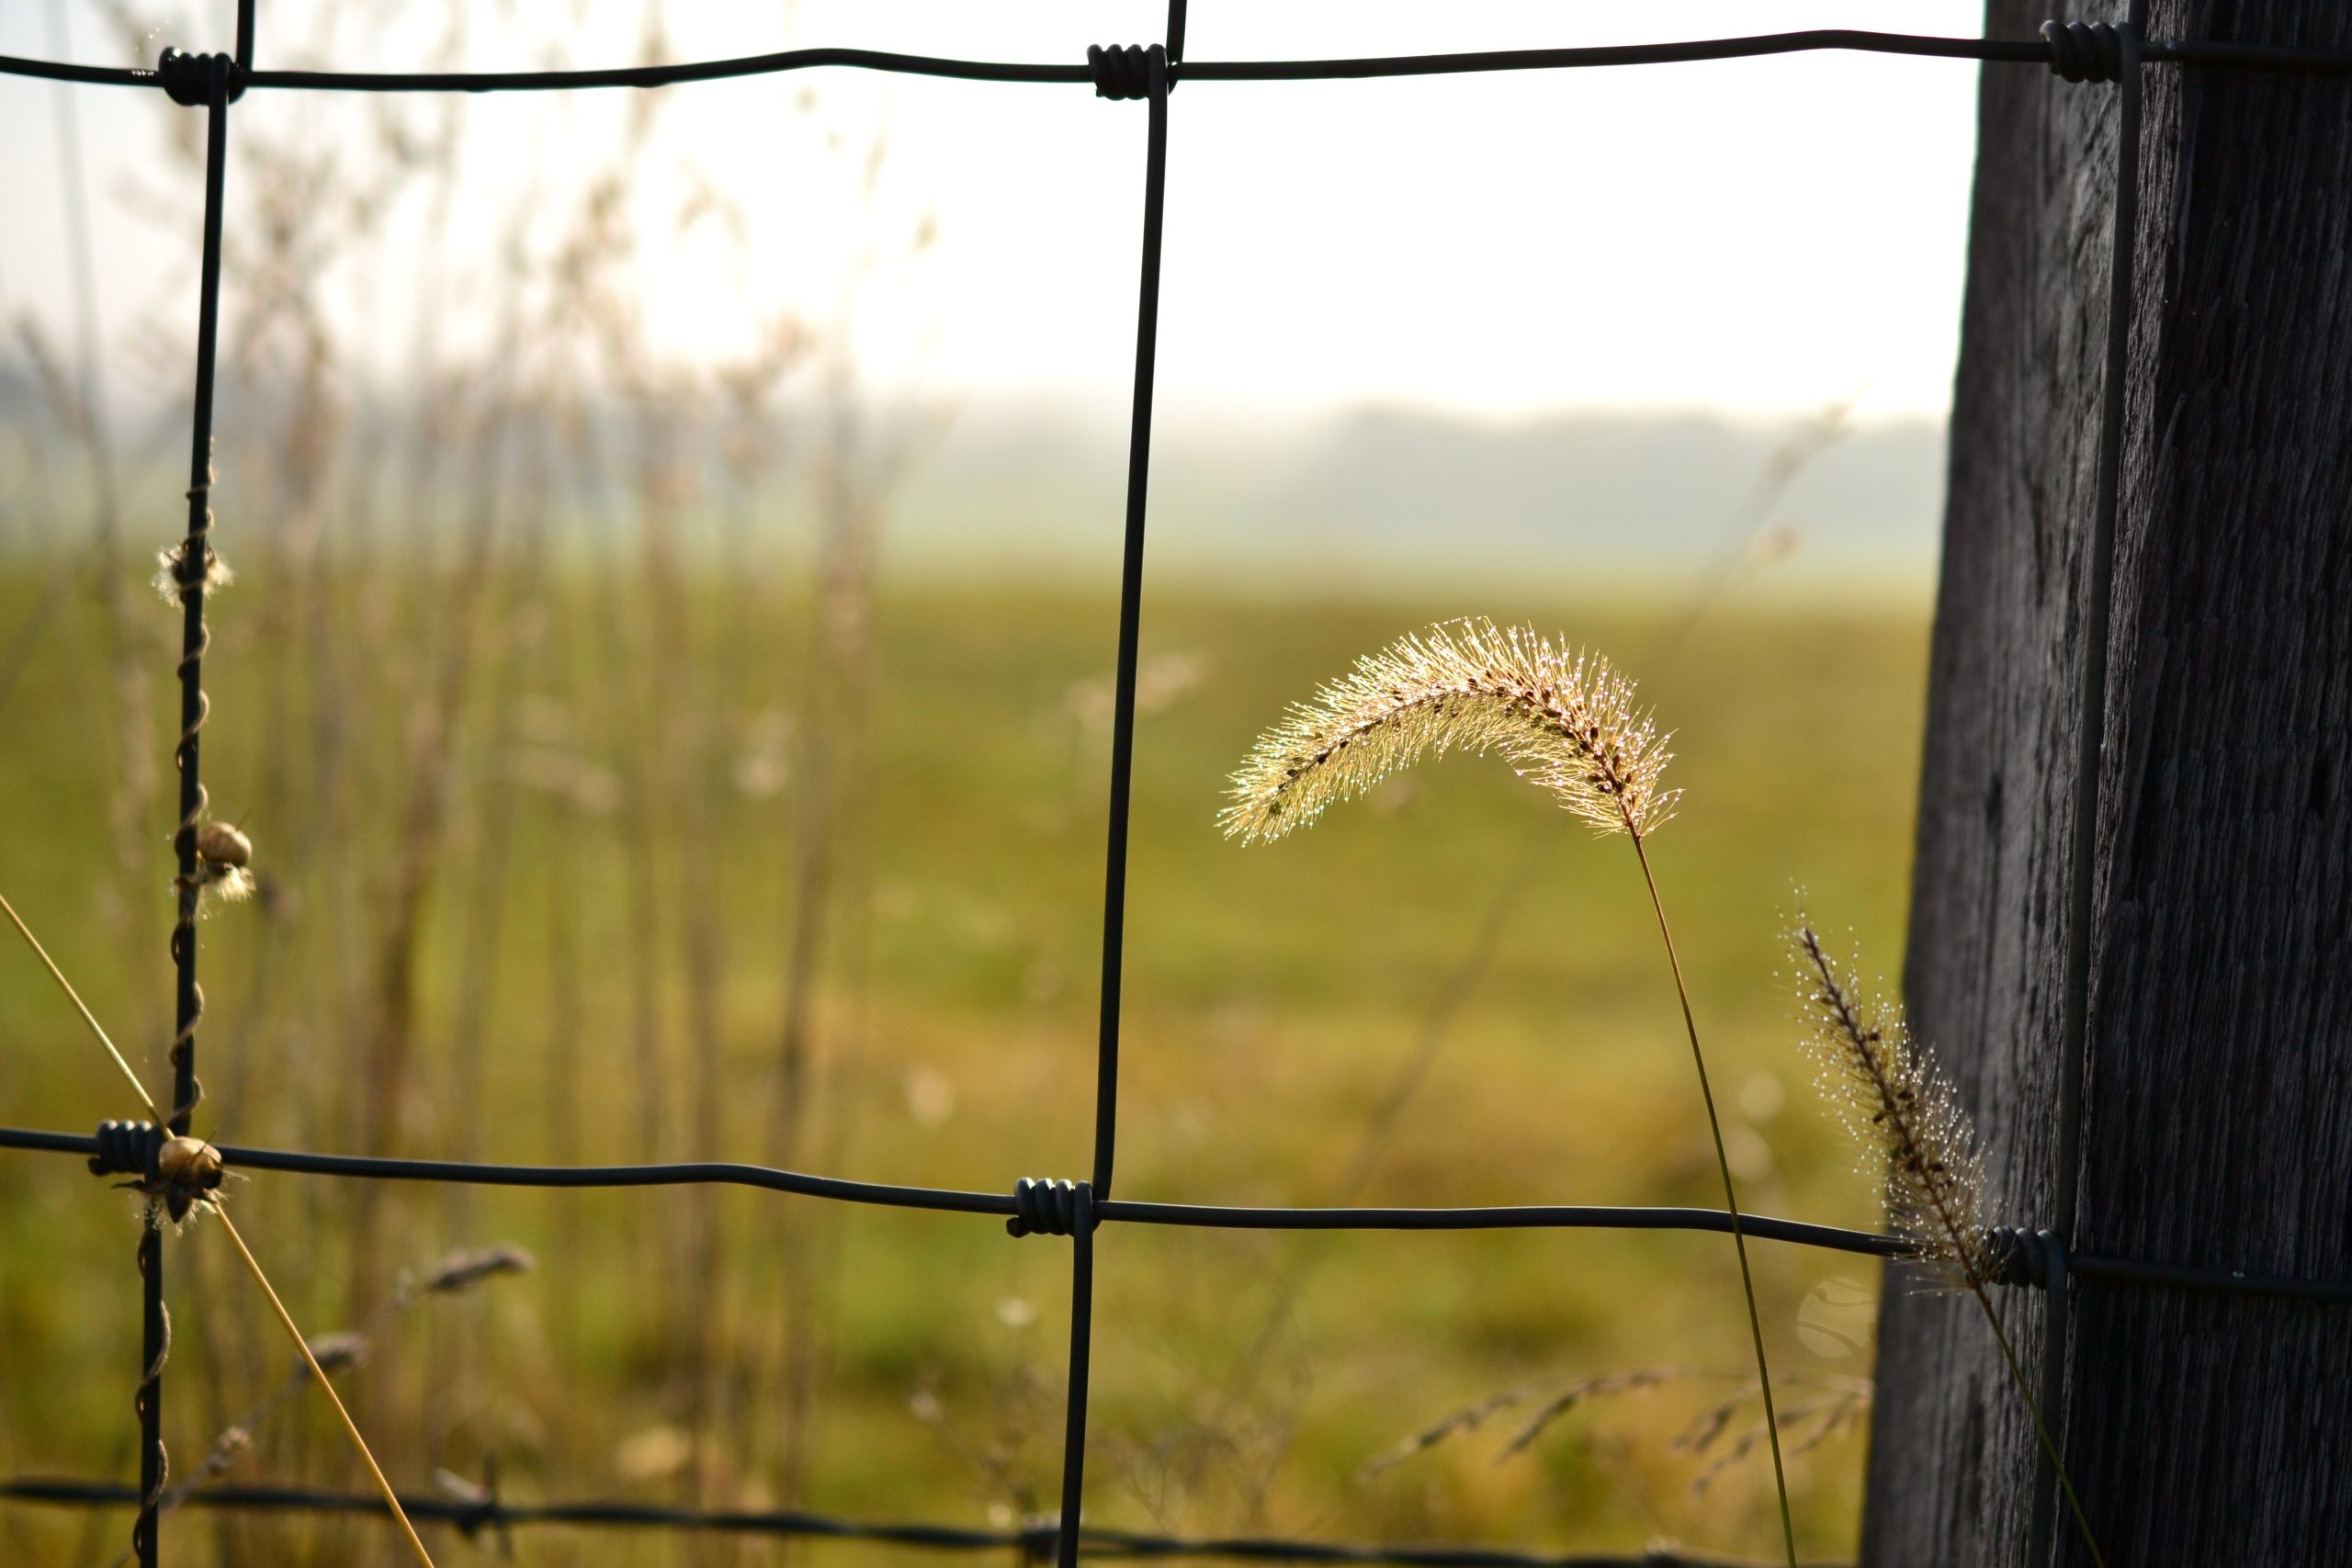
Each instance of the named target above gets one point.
<point>1467,1419</point>
<point>1814,1422</point>
<point>1565,719</point>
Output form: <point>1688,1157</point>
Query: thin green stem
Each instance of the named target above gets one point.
<point>1731,1200</point>
<point>2040,1428</point>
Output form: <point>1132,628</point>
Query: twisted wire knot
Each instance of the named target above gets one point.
<point>2016,1257</point>
<point>128,1148</point>
<point>481,1508</point>
<point>1125,72</point>
<point>187,78</point>
<point>1049,1208</point>
<point>487,1515</point>
<point>2084,51</point>
<point>178,1171</point>
<point>1038,1534</point>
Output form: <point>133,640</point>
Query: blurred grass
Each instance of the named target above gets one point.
<point>1272,994</point>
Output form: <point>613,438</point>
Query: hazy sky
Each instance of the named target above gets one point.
<point>1761,236</point>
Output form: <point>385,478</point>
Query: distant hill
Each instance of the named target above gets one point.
<point>1356,499</point>
<point>1375,493</point>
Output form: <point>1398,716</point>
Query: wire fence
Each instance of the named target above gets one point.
<point>1033,1540</point>
<point>2041,1258</point>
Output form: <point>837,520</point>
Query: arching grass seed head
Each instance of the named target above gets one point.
<point>1565,719</point>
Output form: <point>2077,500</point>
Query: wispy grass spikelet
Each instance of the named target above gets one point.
<point>171,574</point>
<point>334,1352</point>
<point>463,1270</point>
<point>1565,719</point>
<point>1901,1110</point>
<point>1905,1116</point>
<point>221,884</point>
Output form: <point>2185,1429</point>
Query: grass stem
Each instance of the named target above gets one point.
<point>1731,1199</point>
<point>301,1343</point>
<point>71,995</point>
<point>2040,1428</point>
<point>391,1500</point>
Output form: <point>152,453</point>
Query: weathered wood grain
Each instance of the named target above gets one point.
<point>2217,1091</point>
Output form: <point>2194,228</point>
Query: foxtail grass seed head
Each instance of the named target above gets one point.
<point>171,575</point>
<point>1565,719</point>
<point>1901,1110</point>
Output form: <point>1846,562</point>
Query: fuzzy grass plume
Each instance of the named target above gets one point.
<point>1565,719</point>
<point>171,580</point>
<point>1907,1119</point>
<point>1901,1110</point>
<point>1569,723</point>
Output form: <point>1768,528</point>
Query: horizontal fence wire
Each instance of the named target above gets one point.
<point>1206,1216</point>
<point>2024,52</point>
<point>1203,1216</point>
<point>2077,53</point>
<point>1030,1541</point>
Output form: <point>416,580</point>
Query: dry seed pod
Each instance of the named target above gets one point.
<point>217,843</point>
<point>190,1160</point>
<point>187,1173</point>
<point>223,856</point>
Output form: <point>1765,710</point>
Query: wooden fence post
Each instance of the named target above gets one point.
<point>2215,1091</point>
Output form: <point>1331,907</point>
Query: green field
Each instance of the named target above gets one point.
<point>536,846</point>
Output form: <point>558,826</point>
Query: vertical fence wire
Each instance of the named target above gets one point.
<point>1122,746</point>
<point>149,1399</point>
<point>1081,1366</point>
<point>2099,571</point>
<point>1123,718</point>
<point>194,562</point>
